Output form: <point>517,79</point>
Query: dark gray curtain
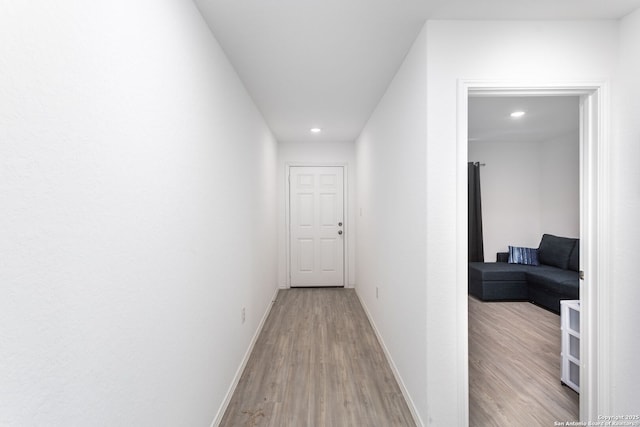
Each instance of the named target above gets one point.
<point>476,248</point>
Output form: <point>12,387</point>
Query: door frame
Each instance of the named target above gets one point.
<point>345,207</point>
<point>594,233</point>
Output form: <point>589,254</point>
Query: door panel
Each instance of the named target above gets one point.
<point>306,257</point>
<point>317,226</point>
<point>328,210</point>
<point>305,210</point>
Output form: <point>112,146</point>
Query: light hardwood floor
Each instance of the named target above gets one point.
<point>317,363</point>
<point>514,367</point>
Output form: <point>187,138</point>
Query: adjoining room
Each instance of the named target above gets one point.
<point>524,220</point>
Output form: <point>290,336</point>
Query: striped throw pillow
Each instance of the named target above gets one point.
<point>518,255</point>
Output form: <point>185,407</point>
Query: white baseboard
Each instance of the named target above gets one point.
<point>236,379</point>
<point>394,369</point>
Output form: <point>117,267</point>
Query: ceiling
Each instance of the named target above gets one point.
<point>546,117</point>
<point>327,63</point>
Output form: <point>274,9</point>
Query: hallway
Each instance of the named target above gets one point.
<point>317,362</point>
<point>145,222</point>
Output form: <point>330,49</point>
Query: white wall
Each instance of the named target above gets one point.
<point>528,189</point>
<point>314,153</point>
<point>559,177</point>
<point>508,51</point>
<point>137,194</point>
<point>510,194</point>
<point>625,378</point>
<point>391,221</point>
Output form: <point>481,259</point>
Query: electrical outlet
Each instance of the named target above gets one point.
<point>243,315</point>
<point>376,292</point>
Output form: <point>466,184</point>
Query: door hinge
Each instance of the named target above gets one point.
<point>581,275</point>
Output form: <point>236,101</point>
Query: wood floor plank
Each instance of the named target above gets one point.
<point>514,366</point>
<point>317,362</point>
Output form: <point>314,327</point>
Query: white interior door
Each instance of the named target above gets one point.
<point>316,226</point>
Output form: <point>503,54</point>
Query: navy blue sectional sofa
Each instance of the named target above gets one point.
<point>555,278</point>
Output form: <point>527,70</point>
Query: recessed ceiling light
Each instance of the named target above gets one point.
<point>315,130</point>
<point>517,114</point>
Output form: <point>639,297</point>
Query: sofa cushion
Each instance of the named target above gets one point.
<point>555,251</point>
<point>527,256</point>
<point>498,271</point>
<point>563,282</point>
<point>574,259</point>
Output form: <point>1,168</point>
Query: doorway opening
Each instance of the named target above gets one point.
<point>523,184</point>
<point>594,194</point>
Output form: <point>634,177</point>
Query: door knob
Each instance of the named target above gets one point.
<point>340,232</point>
<point>339,224</point>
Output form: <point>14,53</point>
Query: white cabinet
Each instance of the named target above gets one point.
<point>570,326</point>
